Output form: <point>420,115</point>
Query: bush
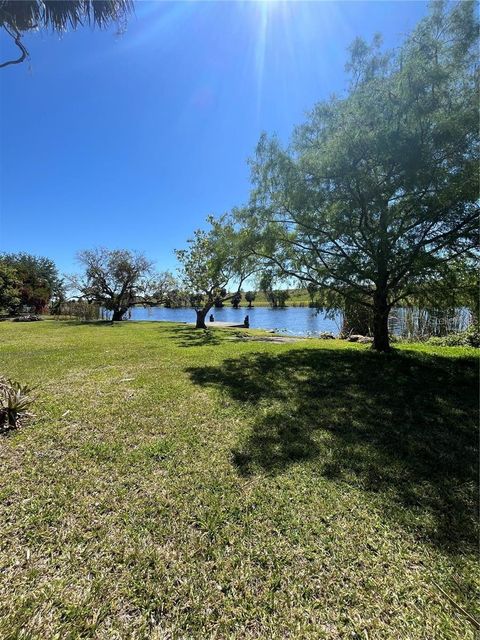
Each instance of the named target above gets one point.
<point>453,340</point>
<point>79,309</point>
<point>473,335</point>
<point>15,400</point>
<point>468,338</point>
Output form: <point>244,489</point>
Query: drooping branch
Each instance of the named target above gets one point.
<point>17,38</point>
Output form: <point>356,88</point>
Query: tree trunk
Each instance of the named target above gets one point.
<point>117,315</point>
<point>201,315</point>
<point>381,310</point>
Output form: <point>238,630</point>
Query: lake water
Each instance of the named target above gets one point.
<point>303,321</point>
<point>298,321</point>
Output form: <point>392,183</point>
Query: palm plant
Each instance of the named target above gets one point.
<point>15,401</point>
<point>18,17</point>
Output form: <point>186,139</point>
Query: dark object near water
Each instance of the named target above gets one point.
<point>29,318</point>
<point>211,319</point>
<point>246,322</point>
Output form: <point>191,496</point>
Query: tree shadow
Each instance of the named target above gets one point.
<point>75,322</point>
<point>188,336</point>
<point>403,427</point>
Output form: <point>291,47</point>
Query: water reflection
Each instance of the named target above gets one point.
<point>303,321</point>
<point>300,321</point>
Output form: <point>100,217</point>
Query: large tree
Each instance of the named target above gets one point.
<point>9,288</point>
<point>378,192</point>
<point>37,279</point>
<point>20,16</point>
<point>216,259</point>
<point>118,279</point>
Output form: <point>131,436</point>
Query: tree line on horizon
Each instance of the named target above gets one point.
<point>373,204</point>
<point>115,280</point>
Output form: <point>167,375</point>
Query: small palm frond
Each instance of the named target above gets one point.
<point>60,14</point>
<point>15,401</point>
<point>18,16</point>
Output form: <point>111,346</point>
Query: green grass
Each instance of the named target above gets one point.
<point>182,484</point>
<point>298,298</point>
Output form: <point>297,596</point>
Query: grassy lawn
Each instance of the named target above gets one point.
<point>298,297</point>
<point>177,484</point>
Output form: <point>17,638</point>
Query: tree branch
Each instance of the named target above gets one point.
<point>17,38</point>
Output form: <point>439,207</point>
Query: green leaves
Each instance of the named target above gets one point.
<point>27,280</point>
<point>9,288</point>
<point>216,259</point>
<point>15,401</point>
<point>378,189</point>
<point>118,279</point>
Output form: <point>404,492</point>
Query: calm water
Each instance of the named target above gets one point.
<point>303,321</point>
<point>299,321</point>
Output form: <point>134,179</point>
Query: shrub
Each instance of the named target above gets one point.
<point>473,335</point>
<point>79,309</point>
<point>453,340</point>
<point>468,338</point>
<point>15,401</point>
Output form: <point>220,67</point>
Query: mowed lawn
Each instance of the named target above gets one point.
<point>182,484</point>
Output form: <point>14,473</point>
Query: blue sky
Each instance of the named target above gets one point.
<point>131,140</point>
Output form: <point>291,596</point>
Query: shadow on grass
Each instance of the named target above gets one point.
<point>75,322</point>
<point>188,336</point>
<point>401,426</point>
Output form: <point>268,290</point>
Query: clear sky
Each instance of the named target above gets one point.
<point>129,141</point>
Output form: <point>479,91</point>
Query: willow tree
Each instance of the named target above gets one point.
<point>378,190</point>
<point>18,17</point>
<point>214,266</point>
